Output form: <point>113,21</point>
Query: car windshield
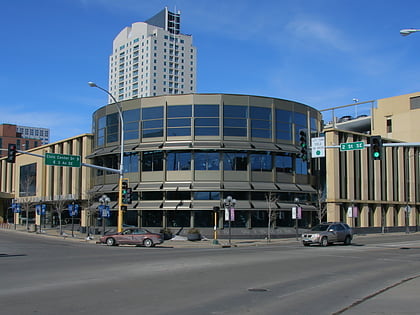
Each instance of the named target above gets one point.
<point>320,227</point>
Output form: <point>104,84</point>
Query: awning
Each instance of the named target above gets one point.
<point>264,186</point>
<point>288,148</point>
<point>204,185</point>
<point>261,204</point>
<point>205,204</point>
<point>150,205</point>
<point>149,186</point>
<point>210,145</point>
<point>237,145</point>
<point>109,187</point>
<point>177,186</point>
<point>177,205</point>
<point>287,187</point>
<point>102,151</point>
<point>306,188</point>
<point>266,146</point>
<point>236,185</point>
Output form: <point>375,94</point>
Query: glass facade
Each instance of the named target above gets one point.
<point>184,154</point>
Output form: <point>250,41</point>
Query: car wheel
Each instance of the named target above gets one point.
<point>347,240</point>
<point>324,241</point>
<point>148,242</point>
<point>110,241</point>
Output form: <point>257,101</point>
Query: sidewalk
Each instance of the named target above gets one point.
<point>175,242</point>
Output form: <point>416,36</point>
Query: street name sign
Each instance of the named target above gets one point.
<point>348,146</point>
<point>56,159</point>
<point>318,147</point>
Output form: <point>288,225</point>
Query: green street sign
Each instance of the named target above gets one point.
<point>56,159</point>
<point>348,146</point>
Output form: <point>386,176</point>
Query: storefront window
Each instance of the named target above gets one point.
<point>152,218</point>
<point>203,218</point>
<point>152,161</point>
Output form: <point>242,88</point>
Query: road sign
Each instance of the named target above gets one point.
<point>348,146</point>
<point>56,159</point>
<point>318,147</point>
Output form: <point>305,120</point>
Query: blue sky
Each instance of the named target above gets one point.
<point>323,53</point>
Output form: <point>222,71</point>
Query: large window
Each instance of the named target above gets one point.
<point>206,161</point>
<point>301,122</point>
<point>179,120</point>
<point>27,180</point>
<point>284,162</point>
<point>131,163</point>
<point>206,195</point>
<point>234,161</point>
<point>283,125</point>
<point>152,161</point>
<point>131,124</point>
<point>206,121</point>
<point>100,131</point>
<point>112,125</point>
<point>152,118</point>
<point>261,162</point>
<point>260,122</point>
<point>235,120</point>
<point>178,161</point>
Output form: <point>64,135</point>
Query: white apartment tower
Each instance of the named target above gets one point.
<point>152,58</point>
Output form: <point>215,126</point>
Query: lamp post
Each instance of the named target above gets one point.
<point>119,108</point>
<point>229,203</point>
<point>104,200</point>
<point>408,31</point>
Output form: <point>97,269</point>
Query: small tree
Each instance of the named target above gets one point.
<point>271,198</point>
<point>321,206</point>
<point>59,202</point>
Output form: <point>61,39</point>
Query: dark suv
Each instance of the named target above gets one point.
<point>328,233</point>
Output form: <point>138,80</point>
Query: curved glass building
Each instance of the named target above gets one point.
<point>184,154</point>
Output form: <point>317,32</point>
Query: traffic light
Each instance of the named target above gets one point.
<point>376,147</point>
<point>303,143</point>
<point>126,192</point>
<point>11,153</point>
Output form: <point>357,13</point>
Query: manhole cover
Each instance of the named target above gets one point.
<point>258,290</point>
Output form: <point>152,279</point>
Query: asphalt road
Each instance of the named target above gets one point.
<point>45,275</point>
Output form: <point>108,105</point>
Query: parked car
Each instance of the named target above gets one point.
<point>132,236</point>
<point>328,233</point>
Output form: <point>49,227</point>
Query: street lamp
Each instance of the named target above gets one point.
<point>408,31</point>
<point>119,108</point>
<point>229,203</point>
<point>104,200</point>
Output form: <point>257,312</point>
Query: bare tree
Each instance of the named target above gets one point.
<point>271,198</point>
<point>27,199</point>
<point>321,206</point>
<point>59,203</point>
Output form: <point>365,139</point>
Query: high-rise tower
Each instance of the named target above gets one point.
<point>152,58</point>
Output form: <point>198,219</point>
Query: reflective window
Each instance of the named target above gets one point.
<point>112,126</point>
<point>284,162</point>
<point>260,122</point>
<point>206,195</point>
<point>283,124</point>
<point>235,120</point>
<point>152,161</point>
<point>179,126</point>
<point>301,166</point>
<point>131,124</point>
<point>206,121</point>
<point>178,161</point>
<point>152,118</point>
<point>261,162</point>
<point>300,123</point>
<point>100,132</point>
<point>234,161</point>
<point>131,163</point>
<point>206,161</point>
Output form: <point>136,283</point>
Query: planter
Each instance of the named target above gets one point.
<point>194,236</point>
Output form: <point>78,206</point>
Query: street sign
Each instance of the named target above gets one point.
<point>318,147</point>
<point>348,146</point>
<point>56,159</point>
